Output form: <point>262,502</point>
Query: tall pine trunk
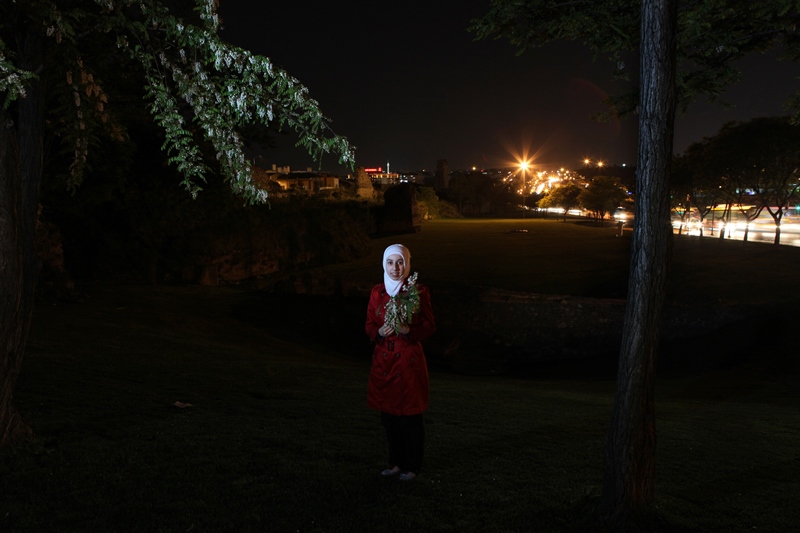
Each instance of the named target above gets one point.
<point>631,440</point>
<point>21,153</point>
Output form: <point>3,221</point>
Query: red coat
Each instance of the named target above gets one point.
<point>398,379</point>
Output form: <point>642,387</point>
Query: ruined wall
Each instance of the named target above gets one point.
<point>502,325</point>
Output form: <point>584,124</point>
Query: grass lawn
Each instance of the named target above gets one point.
<point>494,253</point>
<point>582,259</point>
<point>278,437</point>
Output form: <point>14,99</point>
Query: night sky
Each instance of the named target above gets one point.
<point>408,85</point>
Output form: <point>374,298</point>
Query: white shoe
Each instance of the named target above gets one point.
<point>391,471</point>
<point>407,476</point>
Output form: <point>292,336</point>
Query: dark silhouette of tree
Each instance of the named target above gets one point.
<point>460,190</point>
<point>442,179</point>
<point>602,196</point>
<point>200,90</point>
<point>697,180</point>
<point>704,37</point>
<point>475,192</point>
<point>762,158</point>
<point>709,158</point>
<point>566,197</point>
<point>680,190</point>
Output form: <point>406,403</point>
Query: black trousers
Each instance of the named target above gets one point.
<point>406,436</point>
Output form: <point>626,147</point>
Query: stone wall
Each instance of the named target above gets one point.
<point>545,327</point>
<point>504,325</point>
<point>251,244</point>
<point>399,213</point>
<point>364,188</point>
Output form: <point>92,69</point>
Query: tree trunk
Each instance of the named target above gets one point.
<point>631,440</point>
<point>777,218</point>
<point>726,220</point>
<point>20,177</point>
<point>11,327</point>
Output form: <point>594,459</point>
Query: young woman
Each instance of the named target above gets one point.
<point>398,380</point>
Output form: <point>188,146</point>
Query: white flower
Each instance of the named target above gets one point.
<point>401,307</point>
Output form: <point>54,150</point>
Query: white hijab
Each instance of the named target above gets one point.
<point>392,286</point>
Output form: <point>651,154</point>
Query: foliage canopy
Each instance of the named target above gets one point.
<point>711,36</point>
<point>199,89</point>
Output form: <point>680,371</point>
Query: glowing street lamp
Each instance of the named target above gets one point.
<point>523,167</point>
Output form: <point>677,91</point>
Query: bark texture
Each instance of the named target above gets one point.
<point>631,439</point>
<point>21,153</point>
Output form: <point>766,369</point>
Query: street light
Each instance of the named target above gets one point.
<point>523,166</point>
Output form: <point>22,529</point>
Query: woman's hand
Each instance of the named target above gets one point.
<point>385,330</point>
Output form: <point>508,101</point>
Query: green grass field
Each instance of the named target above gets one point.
<point>583,259</point>
<point>278,437</point>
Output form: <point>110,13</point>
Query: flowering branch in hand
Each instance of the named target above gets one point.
<point>401,307</point>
